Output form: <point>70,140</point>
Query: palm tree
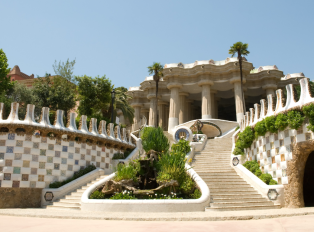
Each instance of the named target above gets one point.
<point>156,69</point>
<point>122,103</point>
<point>241,49</point>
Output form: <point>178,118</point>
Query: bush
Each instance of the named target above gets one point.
<point>270,123</point>
<point>295,119</point>
<point>266,178</point>
<point>309,112</point>
<point>127,172</point>
<point>253,167</point>
<point>245,140</point>
<point>272,182</point>
<point>260,128</point>
<point>181,146</point>
<point>125,195</point>
<point>281,121</point>
<point>196,195</point>
<point>97,195</point>
<point>154,139</point>
<point>123,155</point>
<point>76,175</point>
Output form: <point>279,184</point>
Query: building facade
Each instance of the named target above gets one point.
<point>204,90</point>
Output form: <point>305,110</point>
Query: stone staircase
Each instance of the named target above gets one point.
<point>72,201</point>
<point>228,190</point>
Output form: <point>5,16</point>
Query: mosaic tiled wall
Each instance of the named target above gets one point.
<point>34,162</point>
<point>272,151</point>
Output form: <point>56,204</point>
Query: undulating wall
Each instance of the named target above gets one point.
<point>283,155</point>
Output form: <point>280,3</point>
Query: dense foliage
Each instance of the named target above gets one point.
<point>82,172</point>
<point>154,139</point>
<point>127,172</point>
<point>5,83</point>
<point>254,168</point>
<point>294,119</point>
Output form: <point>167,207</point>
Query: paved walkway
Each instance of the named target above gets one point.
<point>25,224</point>
<point>184,216</point>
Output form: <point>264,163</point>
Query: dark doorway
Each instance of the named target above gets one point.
<point>308,182</point>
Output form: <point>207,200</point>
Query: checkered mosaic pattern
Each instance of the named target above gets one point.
<point>30,162</point>
<point>272,151</point>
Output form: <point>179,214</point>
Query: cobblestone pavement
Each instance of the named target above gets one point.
<point>283,224</point>
<point>183,216</point>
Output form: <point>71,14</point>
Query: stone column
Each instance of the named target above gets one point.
<point>136,120</point>
<point>166,116</point>
<point>238,101</point>
<point>174,105</point>
<point>182,110</point>
<point>213,103</point>
<point>270,90</point>
<point>152,110</point>
<point>206,99</point>
<point>189,110</point>
<point>161,114</point>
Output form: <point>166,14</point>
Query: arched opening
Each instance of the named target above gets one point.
<point>308,181</point>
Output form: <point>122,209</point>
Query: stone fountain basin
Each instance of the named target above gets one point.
<point>185,205</point>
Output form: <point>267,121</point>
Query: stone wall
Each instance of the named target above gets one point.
<point>20,197</point>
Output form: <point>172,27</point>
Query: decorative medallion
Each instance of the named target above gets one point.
<point>272,194</point>
<point>235,161</point>
<point>182,133</point>
<point>49,196</point>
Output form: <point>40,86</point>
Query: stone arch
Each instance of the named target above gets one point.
<point>308,181</point>
<point>295,172</point>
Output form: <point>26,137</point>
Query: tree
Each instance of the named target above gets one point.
<point>55,92</point>
<point>122,103</point>
<point>5,83</point>
<point>94,95</point>
<point>23,95</point>
<point>65,69</point>
<point>240,49</point>
<point>156,69</point>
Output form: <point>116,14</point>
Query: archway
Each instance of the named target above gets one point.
<point>308,181</point>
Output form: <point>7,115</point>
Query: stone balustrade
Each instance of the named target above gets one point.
<point>270,108</point>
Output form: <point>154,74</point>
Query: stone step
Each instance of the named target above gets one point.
<point>231,173</point>
<point>246,203</point>
<point>72,197</point>
<point>75,194</point>
<point>220,192</point>
<point>239,199</point>
<point>78,201</point>
<point>235,195</point>
<point>63,207</point>
<point>220,182</point>
<point>229,187</point>
<point>234,208</point>
<point>66,204</point>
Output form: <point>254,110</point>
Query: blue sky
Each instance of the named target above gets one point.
<point>121,38</point>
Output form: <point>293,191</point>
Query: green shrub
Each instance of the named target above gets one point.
<point>76,175</point>
<point>97,195</point>
<point>266,178</point>
<point>270,123</point>
<point>295,119</point>
<point>245,140</point>
<point>258,173</point>
<point>127,172</point>
<point>272,182</point>
<point>260,128</point>
<point>253,167</point>
<point>196,195</point>
<point>237,128</point>
<point>181,146</point>
<point>281,121</point>
<point>123,155</point>
<point>309,112</point>
<point>154,139</point>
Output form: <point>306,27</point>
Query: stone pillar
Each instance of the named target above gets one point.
<point>189,110</point>
<point>238,101</point>
<point>166,116</point>
<point>161,114</point>
<point>213,103</point>
<point>174,105</point>
<point>136,120</point>
<point>206,99</point>
<point>182,110</point>
<point>270,88</point>
<point>152,111</point>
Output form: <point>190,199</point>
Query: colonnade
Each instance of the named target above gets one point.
<point>180,109</point>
